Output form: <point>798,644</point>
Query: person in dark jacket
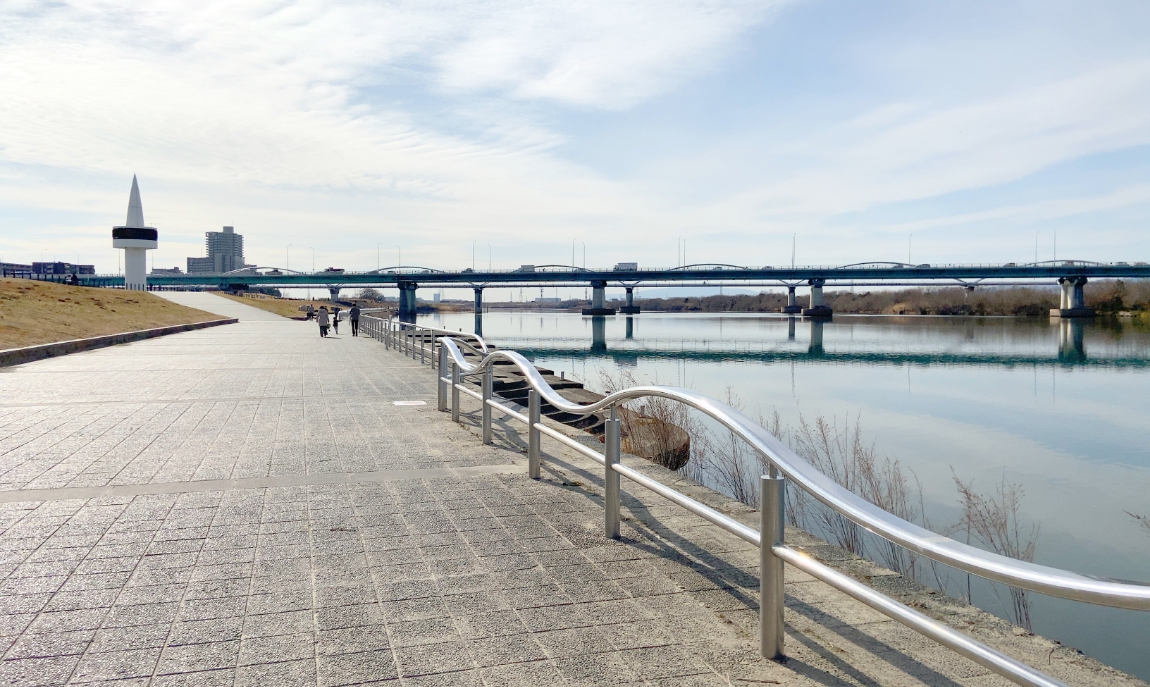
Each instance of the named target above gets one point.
<point>353,314</point>
<point>323,320</point>
<point>335,319</point>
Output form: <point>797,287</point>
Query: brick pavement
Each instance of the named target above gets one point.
<point>245,505</point>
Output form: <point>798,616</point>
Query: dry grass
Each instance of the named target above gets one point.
<point>993,519</point>
<point>284,307</point>
<point>35,312</point>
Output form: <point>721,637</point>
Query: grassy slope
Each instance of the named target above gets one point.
<point>34,312</point>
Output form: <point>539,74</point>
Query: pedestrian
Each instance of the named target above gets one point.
<point>309,311</point>
<point>322,319</point>
<point>354,313</point>
<point>335,319</point>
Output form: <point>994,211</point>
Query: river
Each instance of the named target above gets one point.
<point>1061,409</point>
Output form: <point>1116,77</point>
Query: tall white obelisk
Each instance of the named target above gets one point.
<point>136,240</point>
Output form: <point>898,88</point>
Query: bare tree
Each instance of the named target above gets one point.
<point>993,519</point>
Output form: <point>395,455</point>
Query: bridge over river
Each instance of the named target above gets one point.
<point>255,505</point>
<point>1072,275</point>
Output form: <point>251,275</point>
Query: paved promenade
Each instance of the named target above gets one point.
<point>246,505</point>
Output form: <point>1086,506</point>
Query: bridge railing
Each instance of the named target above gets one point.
<point>452,366</point>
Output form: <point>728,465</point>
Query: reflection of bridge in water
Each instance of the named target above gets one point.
<point>1069,349</point>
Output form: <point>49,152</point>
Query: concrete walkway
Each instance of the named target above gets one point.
<point>246,505</point>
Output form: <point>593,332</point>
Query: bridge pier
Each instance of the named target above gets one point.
<point>630,308</point>
<point>1072,302</point>
<point>407,301</point>
<point>334,291</point>
<point>478,300</point>
<point>630,327</point>
<point>598,289</point>
<point>817,309</point>
<point>791,307</point>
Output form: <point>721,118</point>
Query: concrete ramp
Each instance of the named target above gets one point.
<point>210,302</point>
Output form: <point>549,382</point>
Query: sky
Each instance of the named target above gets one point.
<point>357,134</point>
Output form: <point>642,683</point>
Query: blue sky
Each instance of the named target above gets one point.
<point>358,129</point>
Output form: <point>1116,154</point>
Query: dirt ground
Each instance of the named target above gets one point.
<point>33,312</point>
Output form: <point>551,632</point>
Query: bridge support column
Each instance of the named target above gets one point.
<point>1073,300</point>
<point>817,308</point>
<point>630,308</point>
<point>598,307</point>
<point>478,301</point>
<point>407,301</point>
<point>791,307</point>
<point>334,291</point>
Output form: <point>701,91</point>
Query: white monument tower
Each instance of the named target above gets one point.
<point>136,239</point>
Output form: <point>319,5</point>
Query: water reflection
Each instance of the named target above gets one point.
<point>815,349</point>
<point>1059,407</point>
<point>599,334</point>
<point>1071,341</point>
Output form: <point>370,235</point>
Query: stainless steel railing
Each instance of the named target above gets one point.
<point>784,464</point>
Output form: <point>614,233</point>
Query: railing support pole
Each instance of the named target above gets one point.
<point>440,385</point>
<point>488,383</point>
<point>771,523</point>
<point>611,479</point>
<point>533,418</point>
<point>454,392</point>
<point>386,335</point>
<point>422,350</point>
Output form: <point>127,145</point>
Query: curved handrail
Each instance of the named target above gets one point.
<point>443,333</point>
<point>1038,578</point>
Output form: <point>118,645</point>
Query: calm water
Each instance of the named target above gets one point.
<point>1062,410</point>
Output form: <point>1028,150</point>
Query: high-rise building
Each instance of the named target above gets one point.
<point>225,253</point>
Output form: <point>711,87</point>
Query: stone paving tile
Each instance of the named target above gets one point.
<point>452,579</point>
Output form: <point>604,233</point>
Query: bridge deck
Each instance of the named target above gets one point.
<point>246,506</point>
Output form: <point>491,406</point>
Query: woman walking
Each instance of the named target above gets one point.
<point>322,318</point>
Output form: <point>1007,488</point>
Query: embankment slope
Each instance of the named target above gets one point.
<point>33,312</point>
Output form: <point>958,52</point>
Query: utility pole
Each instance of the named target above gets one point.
<point>909,245</point>
<point>287,257</point>
<point>794,240</point>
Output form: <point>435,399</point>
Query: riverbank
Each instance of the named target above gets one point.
<point>1106,297</point>
<point>34,312</point>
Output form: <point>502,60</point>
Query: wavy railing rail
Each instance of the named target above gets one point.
<point>447,355</point>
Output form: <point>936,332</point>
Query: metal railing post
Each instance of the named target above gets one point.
<point>488,383</point>
<point>440,385</point>
<point>387,336</point>
<point>422,350</point>
<point>533,417</point>
<point>454,391</point>
<point>611,479</point>
<point>771,523</point>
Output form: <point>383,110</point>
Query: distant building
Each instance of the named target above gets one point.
<point>166,270</point>
<point>61,268</point>
<point>225,253</point>
<point>15,269</point>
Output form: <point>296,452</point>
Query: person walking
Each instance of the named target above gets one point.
<point>322,319</point>
<point>354,316</point>
<point>335,319</point>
